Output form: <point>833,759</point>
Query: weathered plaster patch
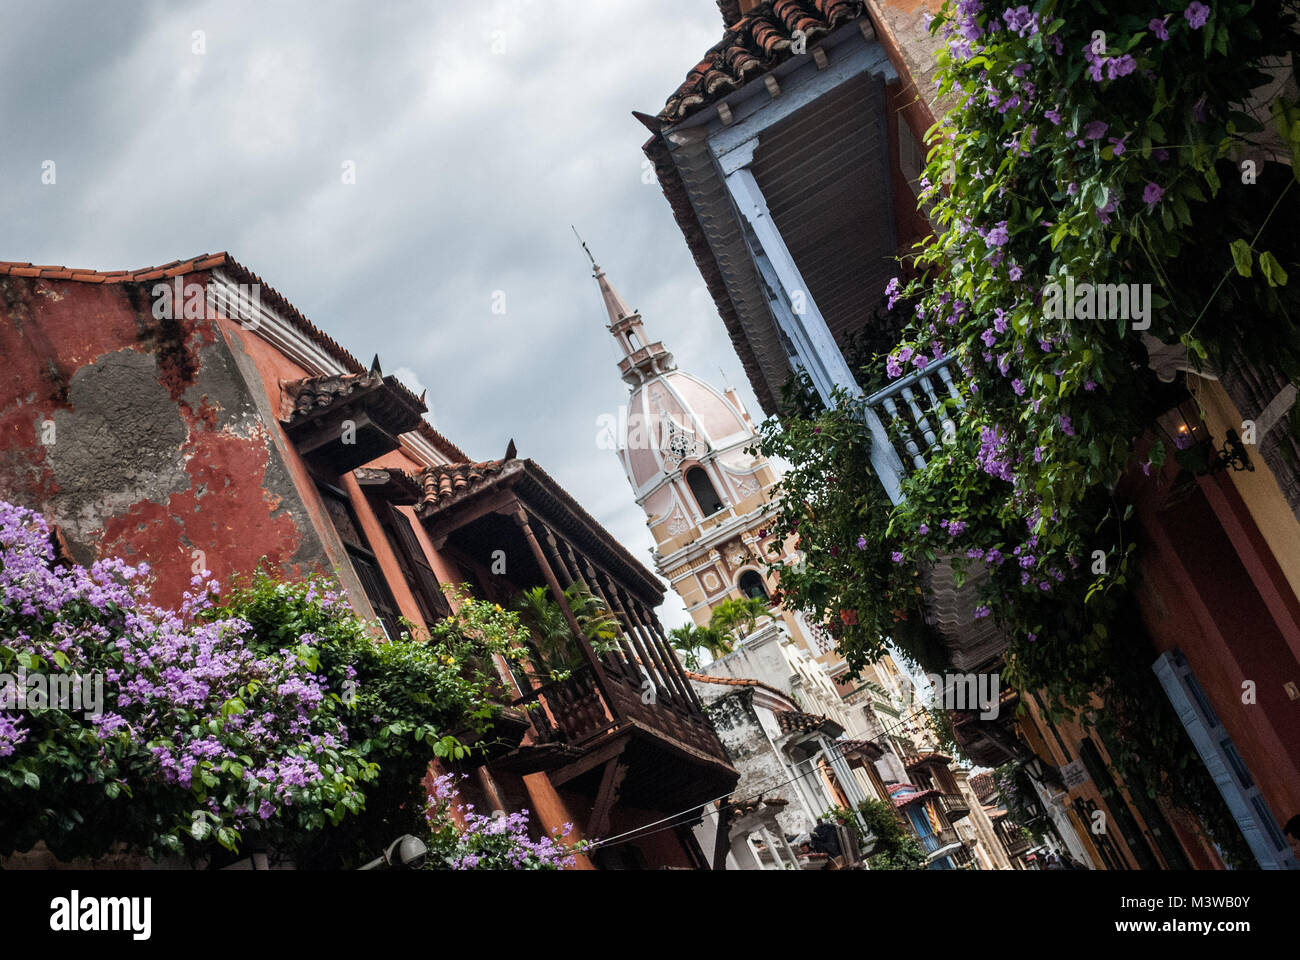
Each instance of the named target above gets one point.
<point>118,445</point>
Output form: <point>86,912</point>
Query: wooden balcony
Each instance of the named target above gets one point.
<point>624,724</point>
<point>935,844</point>
<point>954,805</point>
<point>1013,838</point>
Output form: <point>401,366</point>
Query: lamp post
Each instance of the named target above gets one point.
<point>404,853</point>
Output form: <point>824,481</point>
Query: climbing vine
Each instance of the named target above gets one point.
<point>1108,183</point>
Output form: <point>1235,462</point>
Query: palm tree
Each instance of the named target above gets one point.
<point>691,639</point>
<point>732,613</point>
<point>553,641</point>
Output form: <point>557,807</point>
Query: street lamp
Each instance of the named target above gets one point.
<point>1194,446</point>
<point>404,853</point>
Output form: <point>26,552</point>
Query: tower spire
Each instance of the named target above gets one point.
<point>641,359</point>
<point>615,305</point>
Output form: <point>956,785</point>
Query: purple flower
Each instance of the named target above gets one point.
<point>954,527</point>
<point>988,336</point>
<point>1066,427</point>
<point>1038,454</point>
<point>1120,66</point>
<point>1118,144</point>
<point>982,611</point>
<point>998,235</point>
<point>1196,14</point>
<point>999,320</point>
<point>1015,273</point>
<point>896,557</point>
<point>862,543</point>
<point>1095,130</point>
<point>1053,115</point>
<point>923,529</point>
<point>893,290</point>
<point>892,367</point>
<point>1157,26</point>
<point>1018,386</point>
<point>1152,194</point>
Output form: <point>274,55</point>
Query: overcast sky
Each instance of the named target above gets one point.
<point>479,131</point>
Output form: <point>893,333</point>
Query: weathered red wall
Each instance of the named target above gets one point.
<point>158,451</point>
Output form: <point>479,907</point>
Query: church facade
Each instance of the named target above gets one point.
<point>689,452</point>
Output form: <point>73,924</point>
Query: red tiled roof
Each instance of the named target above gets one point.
<point>848,748</point>
<point>313,394</point>
<point>446,484</point>
<point>737,682</point>
<point>753,45</point>
<point>796,721</point>
<point>983,785</point>
<point>923,758</point>
<point>442,482</point>
<point>223,260</point>
<point>912,797</point>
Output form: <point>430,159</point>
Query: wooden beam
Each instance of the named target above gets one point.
<point>610,781</point>
<point>589,761</point>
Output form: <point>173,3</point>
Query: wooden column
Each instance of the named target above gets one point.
<point>644,661</point>
<point>626,637</point>
<point>679,670</point>
<point>598,671</point>
<point>678,685</point>
<point>576,573</point>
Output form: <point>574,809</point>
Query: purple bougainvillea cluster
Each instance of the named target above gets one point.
<point>212,735</point>
<point>464,839</point>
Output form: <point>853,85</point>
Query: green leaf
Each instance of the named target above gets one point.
<point>1212,178</point>
<point>31,780</point>
<point>1272,270</point>
<point>1241,256</point>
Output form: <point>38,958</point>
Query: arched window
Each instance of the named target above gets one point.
<point>634,342</point>
<point>751,585</point>
<point>702,490</point>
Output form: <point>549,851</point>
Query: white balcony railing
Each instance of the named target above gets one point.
<point>907,419</point>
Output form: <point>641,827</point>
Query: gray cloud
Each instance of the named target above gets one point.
<point>470,166</point>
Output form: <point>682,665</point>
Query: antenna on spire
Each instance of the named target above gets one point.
<point>584,247</point>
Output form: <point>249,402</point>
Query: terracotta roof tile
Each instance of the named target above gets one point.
<point>904,793</point>
<point>914,762</point>
<point>983,785</point>
<point>176,268</point>
<point>443,482</point>
<point>753,45</point>
<point>737,682</point>
<point>796,721</point>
